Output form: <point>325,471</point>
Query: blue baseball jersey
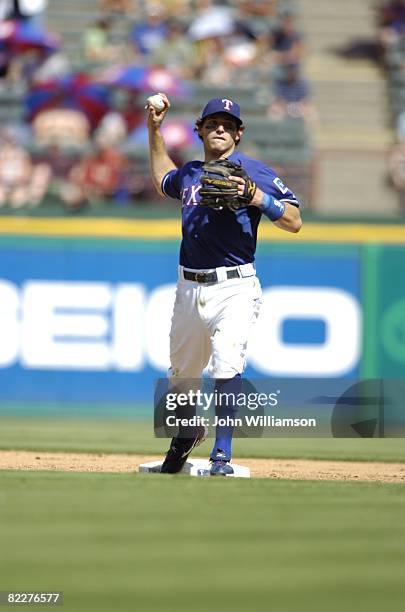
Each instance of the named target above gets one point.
<point>214,238</point>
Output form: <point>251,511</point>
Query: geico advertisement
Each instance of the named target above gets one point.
<point>105,328</point>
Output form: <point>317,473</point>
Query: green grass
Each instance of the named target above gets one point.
<point>171,544</point>
<point>136,437</point>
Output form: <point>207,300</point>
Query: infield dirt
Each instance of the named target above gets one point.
<point>290,469</point>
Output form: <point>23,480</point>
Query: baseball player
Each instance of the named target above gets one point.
<point>218,294</point>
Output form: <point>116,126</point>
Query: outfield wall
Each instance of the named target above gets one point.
<point>86,319</point>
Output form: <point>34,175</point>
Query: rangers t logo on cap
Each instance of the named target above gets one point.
<point>222,105</point>
<point>227,104</point>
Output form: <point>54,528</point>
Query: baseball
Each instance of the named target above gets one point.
<point>157,102</point>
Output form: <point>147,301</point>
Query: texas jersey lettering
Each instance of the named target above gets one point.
<point>229,239</point>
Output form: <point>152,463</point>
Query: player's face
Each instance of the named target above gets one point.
<point>219,133</point>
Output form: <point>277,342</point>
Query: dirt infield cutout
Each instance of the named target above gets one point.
<point>291,469</point>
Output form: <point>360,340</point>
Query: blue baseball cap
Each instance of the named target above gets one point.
<point>222,105</point>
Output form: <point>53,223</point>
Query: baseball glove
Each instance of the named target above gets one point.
<point>219,192</point>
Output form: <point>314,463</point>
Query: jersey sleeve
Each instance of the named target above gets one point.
<point>171,184</point>
<point>268,181</point>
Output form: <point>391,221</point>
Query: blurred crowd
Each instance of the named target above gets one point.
<point>391,38</point>
<point>84,111</point>
<point>391,22</point>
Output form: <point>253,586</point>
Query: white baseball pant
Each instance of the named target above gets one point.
<point>211,323</point>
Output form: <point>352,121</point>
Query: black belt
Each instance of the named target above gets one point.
<point>208,277</point>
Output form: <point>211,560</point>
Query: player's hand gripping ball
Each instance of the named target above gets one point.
<point>156,101</point>
<point>218,191</point>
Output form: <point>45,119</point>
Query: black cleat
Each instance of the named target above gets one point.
<point>179,450</point>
